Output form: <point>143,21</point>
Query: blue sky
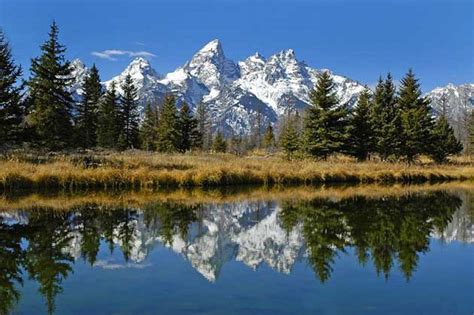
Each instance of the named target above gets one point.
<point>359,39</point>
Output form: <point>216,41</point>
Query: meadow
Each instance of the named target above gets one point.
<point>144,170</point>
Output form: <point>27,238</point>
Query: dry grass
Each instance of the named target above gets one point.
<point>151,170</point>
<point>138,199</point>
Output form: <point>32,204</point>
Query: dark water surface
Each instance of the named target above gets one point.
<point>391,254</point>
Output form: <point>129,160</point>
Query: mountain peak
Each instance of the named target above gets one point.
<point>213,46</point>
<point>77,63</point>
<point>286,54</point>
<point>211,66</point>
<point>140,67</point>
<point>257,57</point>
<point>139,62</point>
<point>254,63</point>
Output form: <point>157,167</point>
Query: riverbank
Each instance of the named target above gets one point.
<point>140,170</point>
<point>63,200</point>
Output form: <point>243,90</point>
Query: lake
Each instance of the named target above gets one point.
<point>320,250</point>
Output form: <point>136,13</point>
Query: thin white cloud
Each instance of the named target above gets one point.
<point>111,54</point>
<point>105,264</point>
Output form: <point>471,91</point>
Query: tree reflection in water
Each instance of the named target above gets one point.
<point>385,231</point>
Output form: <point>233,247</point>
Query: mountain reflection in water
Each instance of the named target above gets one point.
<point>43,244</point>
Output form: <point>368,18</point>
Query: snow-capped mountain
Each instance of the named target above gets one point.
<point>145,79</point>
<point>79,73</point>
<point>211,67</point>
<point>185,87</point>
<point>457,102</point>
<point>236,93</point>
<point>284,83</point>
<point>455,99</point>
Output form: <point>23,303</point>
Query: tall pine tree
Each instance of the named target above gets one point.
<point>11,106</point>
<point>129,115</point>
<point>88,110</point>
<point>149,128</point>
<point>204,126</point>
<point>362,131</point>
<point>189,135</point>
<point>168,131</point>
<point>386,119</point>
<point>108,121</point>
<point>416,119</point>
<point>325,129</point>
<point>50,99</point>
<point>470,148</point>
<point>289,139</point>
<point>444,143</point>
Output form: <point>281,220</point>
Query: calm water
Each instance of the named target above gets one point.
<point>410,254</point>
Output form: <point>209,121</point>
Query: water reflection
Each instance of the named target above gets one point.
<point>392,231</point>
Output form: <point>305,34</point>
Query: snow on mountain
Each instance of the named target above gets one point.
<point>235,111</point>
<point>236,93</point>
<point>211,67</point>
<point>185,87</point>
<point>145,79</point>
<point>456,101</point>
<point>79,73</point>
<point>284,83</point>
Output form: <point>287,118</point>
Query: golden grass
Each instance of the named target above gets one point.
<point>67,200</point>
<point>152,170</point>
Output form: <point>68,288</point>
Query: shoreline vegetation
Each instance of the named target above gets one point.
<point>192,196</point>
<point>145,170</point>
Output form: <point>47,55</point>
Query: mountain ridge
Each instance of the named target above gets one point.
<point>236,92</point>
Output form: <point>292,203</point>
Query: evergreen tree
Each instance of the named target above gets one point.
<point>470,148</point>
<point>128,114</point>
<point>256,133</point>
<point>362,131</point>
<point>87,110</point>
<point>269,138</point>
<point>107,124</point>
<point>444,142</point>
<point>416,118</point>
<point>325,129</point>
<point>11,105</point>
<point>219,145</point>
<point>148,129</point>
<point>386,119</point>
<point>168,131</point>
<point>289,139</point>
<point>46,259</point>
<point>50,99</point>
<point>196,136</point>
<point>204,126</point>
<point>189,135</point>
<point>121,141</point>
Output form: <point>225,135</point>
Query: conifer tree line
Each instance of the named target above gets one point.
<point>390,123</point>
